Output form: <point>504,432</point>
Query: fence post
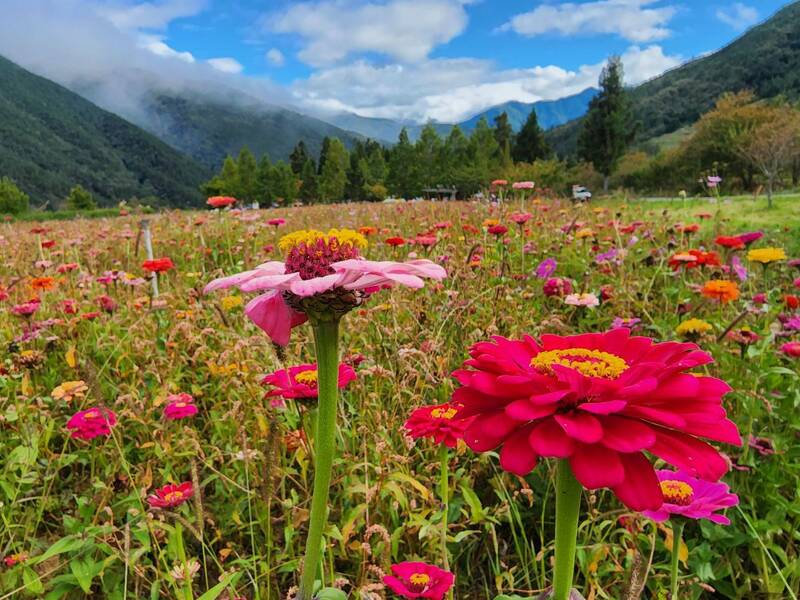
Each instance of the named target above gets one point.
<point>148,246</point>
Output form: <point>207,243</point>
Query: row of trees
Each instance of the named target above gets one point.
<point>14,201</point>
<point>368,171</point>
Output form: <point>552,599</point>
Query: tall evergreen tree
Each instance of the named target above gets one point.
<point>530,145</point>
<point>247,171</point>
<point>504,134</point>
<point>333,179</point>
<point>285,183</point>
<point>264,183</point>
<point>323,154</point>
<point>298,157</point>
<point>229,177</point>
<point>608,126</point>
<point>428,149</point>
<point>308,178</point>
<point>403,168</point>
<point>356,176</point>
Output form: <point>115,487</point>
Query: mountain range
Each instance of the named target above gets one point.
<point>550,113</point>
<point>766,60</point>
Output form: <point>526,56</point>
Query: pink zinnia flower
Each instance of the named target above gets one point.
<point>750,237</point>
<point>586,299</point>
<point>276,222</point>
<point>66,268</point>
<point>179,406</point>
<point>419,580</point>
<point>520,218</point>
<point>91,423</point>
<point>437,422</point>
<point>523,185</point>
<point>26,309</point>
<point>300,382</point>
<point>691,497</point>
<point>599,400</point>
<point>171,495</point>
<point>321,271</point>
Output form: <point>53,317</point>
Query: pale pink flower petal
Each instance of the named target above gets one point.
<point>271,313</point>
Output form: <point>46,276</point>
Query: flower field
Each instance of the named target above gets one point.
<point>376,401</point>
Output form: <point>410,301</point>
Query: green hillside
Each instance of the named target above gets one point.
<point>765,60</point>
<point>208,130</point>
<point>53,139</point>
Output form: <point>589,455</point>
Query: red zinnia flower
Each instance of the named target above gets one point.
<point>419,580</point>
<point>158,265</point>
<point>730,241</point>
<point>171,495</point>
<point>395,241</point>
<point>497,230</point>
<point>791,301</point>
<point>599,400</point>
<point>437,422</point>
<point>220,201</point>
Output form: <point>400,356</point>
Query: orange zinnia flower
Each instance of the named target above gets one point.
<point>42,283</point>
<point>721,290</point>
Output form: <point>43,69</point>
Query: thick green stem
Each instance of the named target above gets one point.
<point>568,503</point>
<point>326,336</point>
<point>444,492</point>
<point>677,532</point>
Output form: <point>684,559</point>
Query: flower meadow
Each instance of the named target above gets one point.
<point>534,399</point>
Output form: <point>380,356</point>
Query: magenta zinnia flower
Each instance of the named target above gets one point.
<point>91,423</point>
<point>300,382</point>
<point>691,497</point>
<point>419,580</point>
<point>599,400</point>
<point>323,273</point>
<point>438,423</point>
<point>171,495</point>
<point>179,406</point>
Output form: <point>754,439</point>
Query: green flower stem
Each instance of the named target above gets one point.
<point>326,337</point>
<point>568,503</point>
<point>444,492</point>
<point>677,532</point>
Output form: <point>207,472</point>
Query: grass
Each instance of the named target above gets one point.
<point>78,509</point>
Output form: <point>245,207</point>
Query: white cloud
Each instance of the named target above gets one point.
<point>157,45</point>
<point>226,64</point>
<point>405,30</point>
<point>738,16</point>
<point>275,57</point>
<point>633,20</point>
<point>450,90</point>
<point>149,15</point>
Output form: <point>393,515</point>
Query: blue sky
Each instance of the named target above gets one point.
<point>405,59</point>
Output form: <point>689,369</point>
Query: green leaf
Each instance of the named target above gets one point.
<point>65,544</point>
<point>32,582</point>
<point>229,579</point>
<point>84,571</point>
<point>330,594</point>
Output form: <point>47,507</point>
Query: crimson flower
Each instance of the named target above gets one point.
<point>437,422</point>
<point>276,222</point>
<point>158,265</point>
<point>557,286</point>
<point>419,580</point>
<point>91,423</point>
<point>395,241</point>
<point>179,406</point>
<point>690,497</point>
<point>171,495</point>
<point>300,382</point>
<point>791,349</point>
<point>733,242</point>
<point>497,230</point>
<point>598,400</point>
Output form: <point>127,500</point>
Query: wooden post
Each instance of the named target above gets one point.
<point>148,246</point>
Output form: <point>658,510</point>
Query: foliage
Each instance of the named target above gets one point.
<point>79,199</point>
<point>530,144</point>
<point>13,201</point>
<point>607,128</point>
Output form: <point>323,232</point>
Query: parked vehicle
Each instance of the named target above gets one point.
<point>581,194</point>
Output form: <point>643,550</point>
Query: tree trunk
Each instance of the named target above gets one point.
<point>769,192</point>
<point>606,179</point>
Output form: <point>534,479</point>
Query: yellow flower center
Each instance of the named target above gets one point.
<point>420,579</point>
<point>592,363</point>
<point>92,414</point>
<point>309,237</point>
<point>173,496</point>
<point>693,326</point>
<point>308,377</point>
<point>180,404</point>
<point>444,413</point>
<point>677,492</point>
